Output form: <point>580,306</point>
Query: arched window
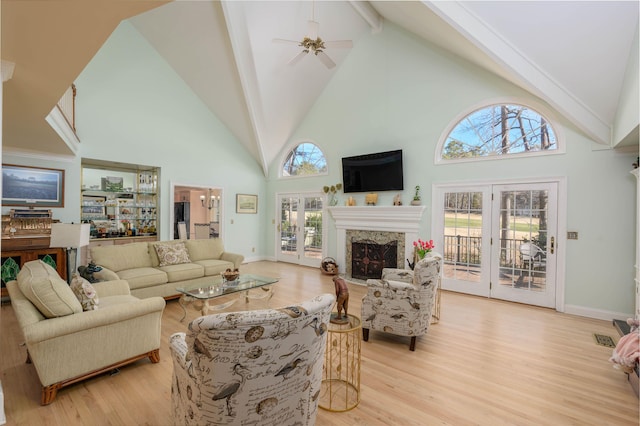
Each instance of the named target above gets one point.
<point>499,130</point>
<point>306,159</point>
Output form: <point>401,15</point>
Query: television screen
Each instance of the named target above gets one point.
<point>381,171</point>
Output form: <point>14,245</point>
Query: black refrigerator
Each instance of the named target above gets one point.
<point>181,213</point>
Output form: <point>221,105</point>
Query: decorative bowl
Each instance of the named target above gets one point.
<point>230,275</point>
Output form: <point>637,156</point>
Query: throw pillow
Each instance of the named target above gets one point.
<point>42,285</point>
<point>85,292</point>
<point>172,254</point>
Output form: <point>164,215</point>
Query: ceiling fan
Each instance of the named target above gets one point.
<point>312,43</point>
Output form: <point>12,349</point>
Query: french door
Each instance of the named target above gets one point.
<point>300,235</point>
<point>499,240</point>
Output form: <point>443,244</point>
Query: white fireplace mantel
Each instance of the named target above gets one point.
<point>405,219</point>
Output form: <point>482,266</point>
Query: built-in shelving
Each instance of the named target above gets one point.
<point>119,200</point>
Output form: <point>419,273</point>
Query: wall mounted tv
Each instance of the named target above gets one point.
<point>381,171</point>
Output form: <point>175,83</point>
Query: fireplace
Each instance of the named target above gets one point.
<point>381,224</point>
<point>367,252</point>
<point>368,258</point>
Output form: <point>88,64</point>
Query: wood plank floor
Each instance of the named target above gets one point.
<point>486,362</point>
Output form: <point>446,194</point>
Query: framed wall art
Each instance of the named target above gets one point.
<point>246,203</point>
<point>32,186</point>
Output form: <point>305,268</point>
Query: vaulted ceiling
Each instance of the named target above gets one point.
<point>571,54</point>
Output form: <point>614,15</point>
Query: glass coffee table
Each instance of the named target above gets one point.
<point>201,295</point>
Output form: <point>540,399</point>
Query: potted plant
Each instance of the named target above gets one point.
<point>416,197</point>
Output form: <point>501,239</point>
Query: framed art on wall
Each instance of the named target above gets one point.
<point>32,186</point>
<point>246,203</point>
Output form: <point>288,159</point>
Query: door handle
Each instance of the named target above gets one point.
<point>553,244</point>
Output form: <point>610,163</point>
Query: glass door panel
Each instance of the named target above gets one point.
<point>525,216</point>
<point>300,231</point>
<point>459,233</point>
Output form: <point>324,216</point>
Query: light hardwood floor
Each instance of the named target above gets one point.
<point>486,362</point>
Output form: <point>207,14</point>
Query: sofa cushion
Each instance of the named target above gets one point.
<point>85,293</point>
<point>214,266</point>
<point>143,277</point>
<point>42,285</point>
<point>205,249</point>
<point>120,257</point>
<point>172,253</point>
<point>182,272</point>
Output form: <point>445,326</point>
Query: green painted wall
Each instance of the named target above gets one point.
<point>395,91</point>
<point>132,107</point>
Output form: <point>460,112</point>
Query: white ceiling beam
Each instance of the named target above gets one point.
<point>369,14</point>
<point>241,46</point>
<point>537,80</point>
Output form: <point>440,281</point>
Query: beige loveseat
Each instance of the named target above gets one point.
<point>181,262</point>
<point>67,344</point>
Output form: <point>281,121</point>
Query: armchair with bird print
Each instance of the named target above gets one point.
<point>252,367</point>
<point>401,302</point>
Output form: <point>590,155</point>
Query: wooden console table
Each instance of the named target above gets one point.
<point>17,251</point>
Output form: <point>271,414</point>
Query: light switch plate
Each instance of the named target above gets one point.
<point>572,235</point>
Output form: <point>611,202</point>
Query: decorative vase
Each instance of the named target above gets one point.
<point>415,202</point>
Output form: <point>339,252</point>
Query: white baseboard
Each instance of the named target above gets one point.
<point>595,313</point>
<point>258,259</point>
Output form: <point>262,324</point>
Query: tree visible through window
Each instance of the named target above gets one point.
<point>499,130</point>
<point>304,160</point>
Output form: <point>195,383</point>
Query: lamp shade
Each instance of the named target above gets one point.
<point>69,235</point>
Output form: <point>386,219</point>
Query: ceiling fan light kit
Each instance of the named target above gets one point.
<point>313,43</point>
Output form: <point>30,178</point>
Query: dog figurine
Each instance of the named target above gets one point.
<point>342,296</point>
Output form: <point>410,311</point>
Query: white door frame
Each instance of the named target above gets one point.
<point>172,189</point>
<point>561,240</point>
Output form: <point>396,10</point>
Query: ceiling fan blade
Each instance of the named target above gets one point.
<point>313,30</point>
<point>282,40</point>
<point>325,60</point>
<point>345,44</point>
<point>297,58</point>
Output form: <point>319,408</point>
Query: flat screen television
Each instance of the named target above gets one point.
<point>380,171</point>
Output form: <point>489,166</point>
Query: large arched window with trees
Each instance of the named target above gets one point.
<point>306,159</point>
<point>499,130</point>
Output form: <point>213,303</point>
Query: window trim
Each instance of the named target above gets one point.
<point>527,103</point>
<point>289,147</point>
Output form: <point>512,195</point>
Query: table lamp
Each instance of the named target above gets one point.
<point>70,236</point>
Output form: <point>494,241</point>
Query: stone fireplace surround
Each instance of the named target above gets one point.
<point>401,219</point>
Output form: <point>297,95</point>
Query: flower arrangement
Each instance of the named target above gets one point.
<point>423,247</point>
<point>332,190</point>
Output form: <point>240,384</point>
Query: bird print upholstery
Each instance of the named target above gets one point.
<point>259,367</point>
<point>401,302</point>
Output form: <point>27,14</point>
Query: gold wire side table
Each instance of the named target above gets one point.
<point>340,389</point>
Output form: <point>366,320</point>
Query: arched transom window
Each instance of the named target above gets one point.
<point>305,159</point>
<point>499,130</point>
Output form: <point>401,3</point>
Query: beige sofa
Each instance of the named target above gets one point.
<point>67,344</point>
<point>181,262</point>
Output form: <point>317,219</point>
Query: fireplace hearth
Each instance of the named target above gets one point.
<point>368,258</point>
